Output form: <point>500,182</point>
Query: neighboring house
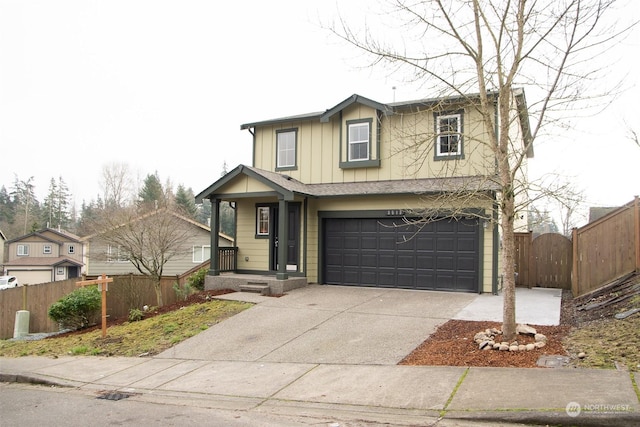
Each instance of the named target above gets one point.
<point>595,213</point>
<point>102,258</point>
<point>3,239</point>
<point>330,196</point>
<point>44,256</point>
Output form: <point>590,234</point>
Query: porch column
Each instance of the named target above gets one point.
<point>283,239</point>
<point>214,267</point>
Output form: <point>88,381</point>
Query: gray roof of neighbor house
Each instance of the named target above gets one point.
<point>64,236</point>
<point>286,185</point>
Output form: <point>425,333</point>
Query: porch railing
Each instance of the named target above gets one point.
<point>228,258</point>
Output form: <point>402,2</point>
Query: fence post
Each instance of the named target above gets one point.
<point>574,266</point>
<point>636,217</point>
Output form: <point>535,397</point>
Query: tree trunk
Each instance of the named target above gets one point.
<point>508,267</point>
<point>158,288</point>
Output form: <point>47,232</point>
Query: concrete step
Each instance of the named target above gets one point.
<point>259,288</point>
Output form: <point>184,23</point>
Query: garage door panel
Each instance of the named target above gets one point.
<point>350,260</point>
<point>466,244</point>
<point>369,242</point>
<point>445,244</point>
<point>466,263</point>
<point>387,253</point>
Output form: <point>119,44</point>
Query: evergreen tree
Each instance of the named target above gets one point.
<point>7,208</point>
<point>185,201</point>
<point>56,205</point>
<point>27,206</point>
<point>151,195</point>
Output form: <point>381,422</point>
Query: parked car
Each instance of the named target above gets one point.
<point>7,282</point>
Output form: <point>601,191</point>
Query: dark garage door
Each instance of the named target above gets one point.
<point>442,255</point>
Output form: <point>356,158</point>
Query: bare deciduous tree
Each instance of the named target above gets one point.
<point>147,240</point>
<point>117,184</point>
<point>489,49</point>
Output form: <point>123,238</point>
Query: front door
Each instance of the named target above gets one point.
<point>293,236</point>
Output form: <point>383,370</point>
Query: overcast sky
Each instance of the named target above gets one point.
<point>165,85</point>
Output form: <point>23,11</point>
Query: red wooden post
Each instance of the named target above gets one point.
<point>103,287</point>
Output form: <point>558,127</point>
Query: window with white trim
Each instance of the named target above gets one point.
<point>201,253</point>
<point>116,254</point>
<point>262,221</point>
<point>71,249</point>
<point>449,136</point>
<point>46,249</point>
<point>359,135</point>
<point>286,148</point>
<point>23,250</point>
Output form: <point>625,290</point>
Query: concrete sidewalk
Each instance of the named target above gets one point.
<point>332,352</point>
<point>401,395</point>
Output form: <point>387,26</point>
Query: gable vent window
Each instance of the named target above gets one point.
<point>359,135</point>
<point>286,149</point>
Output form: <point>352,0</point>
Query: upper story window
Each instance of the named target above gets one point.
<point>201,253</point>
<point>286,149</point>
<point>23,250</point>
<point>449,135</point>
<point>46,249</point>
<point>71,249</point>
<point>359,137</point>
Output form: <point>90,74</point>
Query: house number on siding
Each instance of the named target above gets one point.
<point>395,212</point>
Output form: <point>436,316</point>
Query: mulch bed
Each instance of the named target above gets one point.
<point>452,343</point>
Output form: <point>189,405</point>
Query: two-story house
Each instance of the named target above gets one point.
<point>333,197</point>
<point>44,256</point>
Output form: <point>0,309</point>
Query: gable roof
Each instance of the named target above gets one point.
<point>288,187</point>
<point>149,214</point>
<point>64,236</point>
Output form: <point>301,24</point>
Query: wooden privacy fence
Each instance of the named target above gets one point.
<point>544,261</point>
<point>606,249</point>
<point>125,292</point>
<point>597,254</point>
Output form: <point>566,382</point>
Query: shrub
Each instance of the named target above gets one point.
<point>78,309</point>
<point>135,315</point>
<point>182,293</point>
<point>196,280</point>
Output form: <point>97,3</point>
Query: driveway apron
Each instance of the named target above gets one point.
<point>326,324</point>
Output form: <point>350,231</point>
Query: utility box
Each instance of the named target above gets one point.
<point>21,327</point>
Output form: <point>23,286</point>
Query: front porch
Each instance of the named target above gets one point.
<point>263,284</point>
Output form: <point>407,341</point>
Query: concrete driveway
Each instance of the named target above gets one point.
<point>326,324</point>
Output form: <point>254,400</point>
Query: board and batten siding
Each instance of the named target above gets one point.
<point>406,141</point>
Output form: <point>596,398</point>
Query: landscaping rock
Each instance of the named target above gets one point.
<point>523,329</point>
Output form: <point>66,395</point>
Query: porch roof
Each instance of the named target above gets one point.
<point>288,186</point>
<point>42,262</point>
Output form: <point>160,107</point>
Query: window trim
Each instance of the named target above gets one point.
<point>22,250</point>
<point>267,220</point>
<point>360,163</point>
<point>47,250</point>
<point>437,154</point>
<point>111,258</point>
<point>367,143</point>
<point>71,249</point>
<point>293,166</point>
<point>202,249</point>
